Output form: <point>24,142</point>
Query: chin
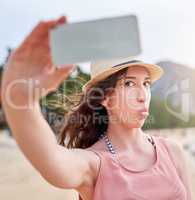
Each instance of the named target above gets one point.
<point>136,124</point>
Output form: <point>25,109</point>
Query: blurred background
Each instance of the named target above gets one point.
<point>167,30</point>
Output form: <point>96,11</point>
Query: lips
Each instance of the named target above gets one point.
<point>144,110</point>
<point>143,113</point>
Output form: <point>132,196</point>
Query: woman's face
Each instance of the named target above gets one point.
<point>131,95</point>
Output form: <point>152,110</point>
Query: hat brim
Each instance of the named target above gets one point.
<point>155,73</point>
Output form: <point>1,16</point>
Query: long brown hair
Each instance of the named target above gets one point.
<point>84,125</point>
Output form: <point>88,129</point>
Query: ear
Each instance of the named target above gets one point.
<point>105,102</point>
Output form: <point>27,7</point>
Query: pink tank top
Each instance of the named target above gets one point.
<point>159,182</point>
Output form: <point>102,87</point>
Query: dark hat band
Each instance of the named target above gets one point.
<point>129,62</point>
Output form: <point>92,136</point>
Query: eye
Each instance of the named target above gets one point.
<point>147,83</point>
<point>129,83</point>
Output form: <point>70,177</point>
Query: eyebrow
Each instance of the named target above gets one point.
<point>133,77</point>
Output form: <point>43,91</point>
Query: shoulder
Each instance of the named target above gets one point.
<point>175,147</point>
<point>180,159</point>
<point>94,159</point>
<point>94,155</point>
<point>176,153</point>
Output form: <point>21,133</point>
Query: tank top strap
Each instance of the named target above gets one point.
<point>165,148</point>
<point>99,154</point>
<point>102,151</point>
<point>104,156</point>
<point>107,159</point>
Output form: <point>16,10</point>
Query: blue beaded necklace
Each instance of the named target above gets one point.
<point>110,146</point>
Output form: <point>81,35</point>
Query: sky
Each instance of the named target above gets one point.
<point>167,27</point>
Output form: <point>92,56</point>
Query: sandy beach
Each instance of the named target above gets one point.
<point>20,181</point>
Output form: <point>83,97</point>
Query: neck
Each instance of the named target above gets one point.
<point>124,138</point>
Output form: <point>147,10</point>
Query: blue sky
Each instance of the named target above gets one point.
<point>167,27</point>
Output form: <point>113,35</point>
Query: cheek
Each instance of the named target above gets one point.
<point>120,103</point>
<point>116,102</point>
<point>129,100</point>
<point>125,101</point>
<point>149,97</point>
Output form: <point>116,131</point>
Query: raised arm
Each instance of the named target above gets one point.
<point>29,75</point>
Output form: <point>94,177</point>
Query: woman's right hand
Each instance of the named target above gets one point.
<point>30,66</point>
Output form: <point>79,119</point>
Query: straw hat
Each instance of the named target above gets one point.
<point>104,68</point>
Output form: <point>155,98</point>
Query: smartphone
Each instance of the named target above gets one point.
<point>100,39</point>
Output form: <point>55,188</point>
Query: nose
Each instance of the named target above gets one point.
<point>142,95</point>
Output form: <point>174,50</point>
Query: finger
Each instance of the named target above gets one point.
<point>42,28</point>
<point>62,20</point>
<point>59,21</point>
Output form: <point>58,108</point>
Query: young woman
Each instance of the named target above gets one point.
<point>108,154</point>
